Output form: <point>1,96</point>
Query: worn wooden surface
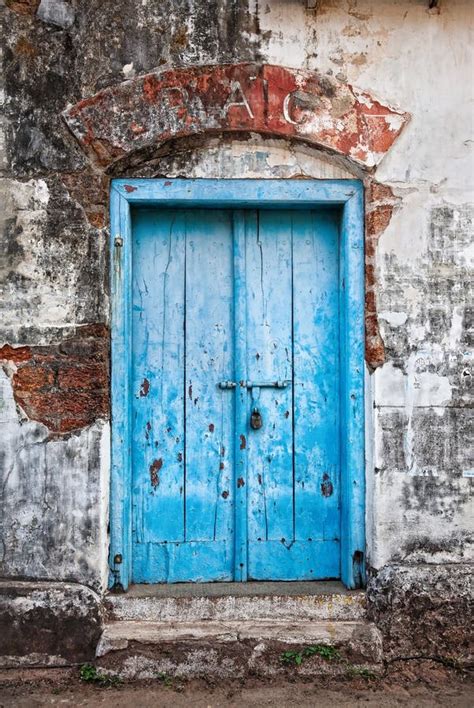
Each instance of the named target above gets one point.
<point>241,294</point>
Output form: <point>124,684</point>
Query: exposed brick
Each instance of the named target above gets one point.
<point>15,354</point>
<point>88,376</point>
<point>378,192</point>
<point>369,276</point>
<point>63,411</point>
<point>378,219</point>
<point>23,7</point>
<point>81,393</point>
<point>370,302</point>
<point>380,202</point>
<point>90,189</point>
<point>96,216</point>
<point>32,377</point>
<point>374,351</point>
<point>84,349</point>
<point>370,247</point>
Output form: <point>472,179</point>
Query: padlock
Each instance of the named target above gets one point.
<point>256,421</point>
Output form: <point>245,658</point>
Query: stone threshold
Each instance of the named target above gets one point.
<point>248,589</point>
<point>232,629</point>
<point>237,602</point>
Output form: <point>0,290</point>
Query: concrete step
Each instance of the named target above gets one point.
<point>238,602</point>
<point>236,648</point>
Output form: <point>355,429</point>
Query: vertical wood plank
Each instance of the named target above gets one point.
<point>120,506</point>
<point>244,226</point>
<point>316,375</point>
<point>269,358</point>
<point>209,359</point>
<point>158,376</point>
<point>352,391</point>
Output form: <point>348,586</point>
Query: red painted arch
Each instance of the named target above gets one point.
<point>272,100</point>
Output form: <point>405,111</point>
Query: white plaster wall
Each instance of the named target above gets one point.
<point>54,499</point>
<point>419,508</point>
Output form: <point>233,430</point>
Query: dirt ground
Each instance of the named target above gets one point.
<point>415,683</point>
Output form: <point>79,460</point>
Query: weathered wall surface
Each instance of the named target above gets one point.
<point>54,270</point>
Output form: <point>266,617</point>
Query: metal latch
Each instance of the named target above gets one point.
<point>253,384</point>
<point>256,420</point>
<point>227,384</point>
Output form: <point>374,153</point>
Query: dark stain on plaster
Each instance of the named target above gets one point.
<point>442,280</point>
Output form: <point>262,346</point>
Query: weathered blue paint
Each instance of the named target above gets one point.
<point>182,457</point>
<point>286,481</point>
<point>244,224</point>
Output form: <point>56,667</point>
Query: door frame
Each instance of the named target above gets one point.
<point>242,194</point>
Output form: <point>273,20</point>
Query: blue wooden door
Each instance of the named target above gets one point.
<point>235,360</point>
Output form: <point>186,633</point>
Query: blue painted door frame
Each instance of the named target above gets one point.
<point>243,194</point>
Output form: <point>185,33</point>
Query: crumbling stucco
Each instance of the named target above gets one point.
<point>54,498</point>
<point>419,233</point>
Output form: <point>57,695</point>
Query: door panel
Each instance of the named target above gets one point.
<point>316,372</point>
<point>269,358</point>
<point>183,429</point>
<point>259,305</point>
<point>158,386</point>
<point>294,459</point>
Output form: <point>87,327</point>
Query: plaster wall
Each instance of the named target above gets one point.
<point>54,270</point>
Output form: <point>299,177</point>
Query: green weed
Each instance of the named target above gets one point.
<point>89,674</point>
<point>297,657</point>
<point>166,680</point>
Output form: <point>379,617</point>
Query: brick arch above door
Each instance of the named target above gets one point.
<point>147,111</point>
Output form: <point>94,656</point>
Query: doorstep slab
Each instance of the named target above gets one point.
<point>137,650</point>
<point>237,602</point>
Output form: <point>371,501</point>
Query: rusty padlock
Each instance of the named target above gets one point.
<point>256,420</point>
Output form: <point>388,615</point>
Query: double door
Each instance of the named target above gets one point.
<point>236,412</point>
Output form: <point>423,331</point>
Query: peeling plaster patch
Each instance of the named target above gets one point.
<point>53,267</point>
<point>56,12</point>
<point>390,385</point>
<point>395,319</point>
<point>425,496</point>
<point>50,522</point>
<point>434,289</point>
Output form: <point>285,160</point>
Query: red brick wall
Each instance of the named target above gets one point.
<point>66,385</point>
